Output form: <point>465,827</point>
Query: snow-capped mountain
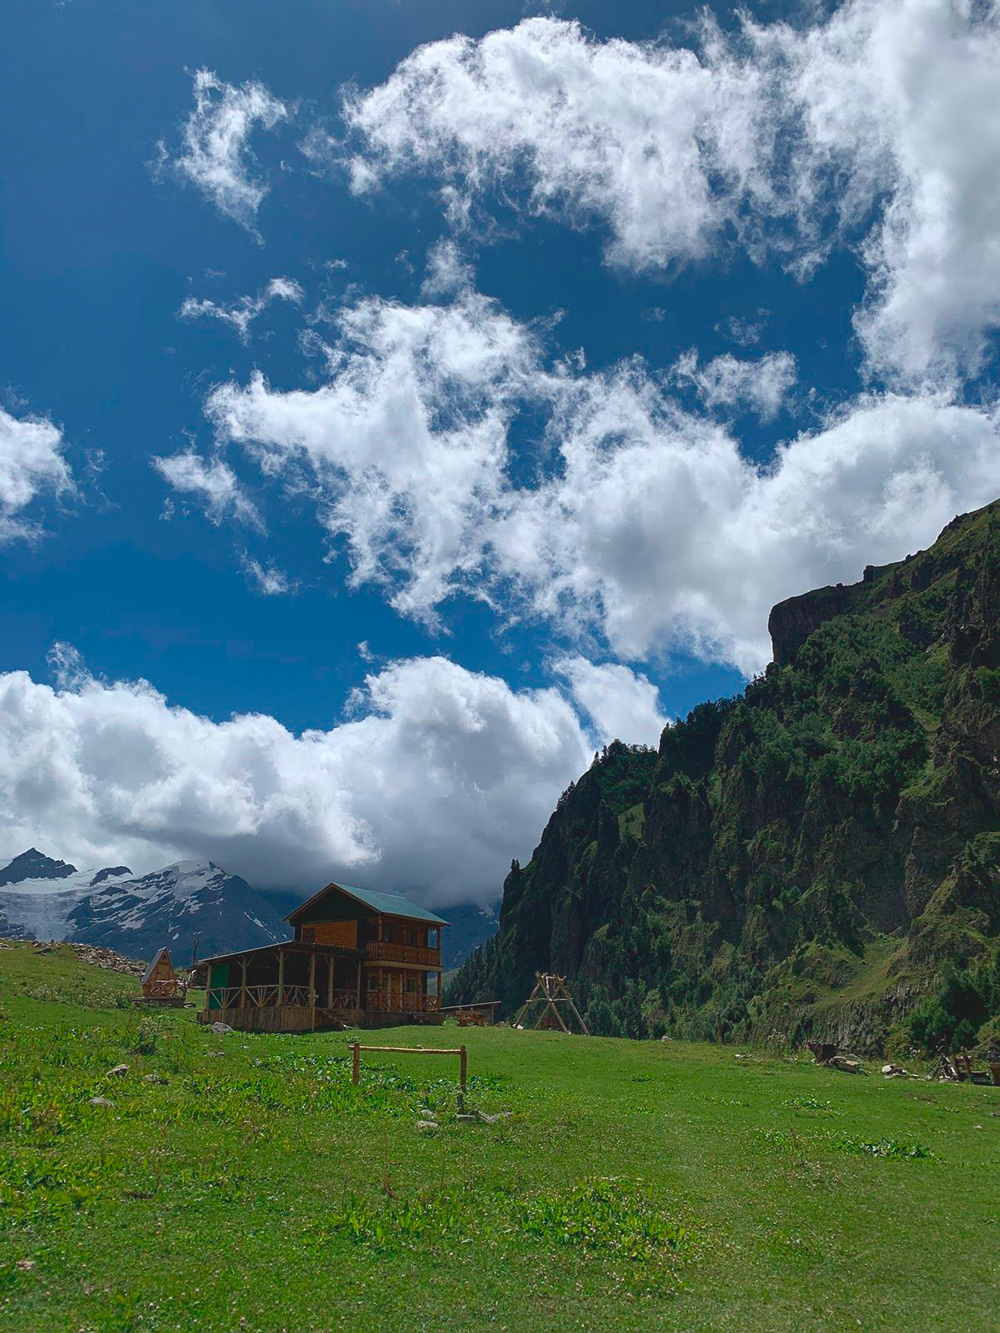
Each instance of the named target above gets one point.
<point>45,899</point>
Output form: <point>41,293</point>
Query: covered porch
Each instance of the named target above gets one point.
<point>289,987</point>
<point>299,986</point>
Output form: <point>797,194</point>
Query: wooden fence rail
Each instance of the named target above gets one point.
<point>357,1048</point>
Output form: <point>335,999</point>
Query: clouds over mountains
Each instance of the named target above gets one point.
<point>440,776</point>
<point>448,448</point>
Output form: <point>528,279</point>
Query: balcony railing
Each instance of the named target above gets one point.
<point>380,951</point>
<point>269,997</point>
<point>405,1002</point>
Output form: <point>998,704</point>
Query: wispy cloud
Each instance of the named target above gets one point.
<point>214,483</point>
<point>241,313</point>
<point>215,154</point>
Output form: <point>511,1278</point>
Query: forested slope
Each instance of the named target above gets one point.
<point>813,856</point>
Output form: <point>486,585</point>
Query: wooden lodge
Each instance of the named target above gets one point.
<point>357,957</point>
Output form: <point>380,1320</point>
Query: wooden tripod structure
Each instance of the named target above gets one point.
<point>550,992</point>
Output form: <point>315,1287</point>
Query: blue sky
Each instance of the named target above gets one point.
<point>389,419</point>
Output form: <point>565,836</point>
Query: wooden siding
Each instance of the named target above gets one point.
<point>342,933</point>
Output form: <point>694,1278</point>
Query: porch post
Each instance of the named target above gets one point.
<point>243,991</point>
<point>359,983</point>
<point>329,982</point>
<point>312,988</point>
<point>208,986</point>
<point>281,976</point>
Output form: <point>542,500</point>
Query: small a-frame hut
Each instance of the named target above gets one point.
<point>549,999</point>
<point>160,983</point>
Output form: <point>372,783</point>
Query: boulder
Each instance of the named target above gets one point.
<point>845,1064</point>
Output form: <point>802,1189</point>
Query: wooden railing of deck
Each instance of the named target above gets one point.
<point>268,997</point>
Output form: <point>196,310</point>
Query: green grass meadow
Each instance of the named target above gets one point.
<point>241,1182</point>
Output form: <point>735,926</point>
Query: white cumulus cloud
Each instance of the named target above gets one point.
<point>31,465</point>
<point>407,439</point>
<point>875,127</point>
<point>660,143</point>
<point>662,534</point>
<point>622,704</point>
<point>445,775</point>
<point>643,523</point>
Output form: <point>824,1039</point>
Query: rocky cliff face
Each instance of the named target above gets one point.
<point>802,860</point>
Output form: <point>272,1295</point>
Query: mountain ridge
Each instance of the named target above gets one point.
<point>805,859</point>
<point>179,905</point>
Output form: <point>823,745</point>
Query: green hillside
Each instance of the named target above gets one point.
<point>816,857</point>
<point>240,1182</point>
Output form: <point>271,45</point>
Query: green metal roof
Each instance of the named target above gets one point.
<point>390,904</point>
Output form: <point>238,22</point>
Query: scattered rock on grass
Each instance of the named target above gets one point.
<point>100,1101</point>
<point>427,1125</point>
<point>119,1071</point>
<point>845,1064</point>
<point>25,1265</point>
<point>219,1027</point>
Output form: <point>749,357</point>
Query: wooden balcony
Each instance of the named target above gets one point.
<point>381,952</point>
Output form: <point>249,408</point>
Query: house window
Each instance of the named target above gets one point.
<point>432,937</point>
<point>411,985</point>
<point>372,981</point>
<point>410,936</point>
<point>387,932</point>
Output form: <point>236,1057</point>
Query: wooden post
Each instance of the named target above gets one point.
<point>461,1068</point>
<point>356,1065</point>
<point>329,982</point>
<point>312,989</point>
<point>243,992</point>
<point>208,985</point>
<point>281,976</point>
<point>359,983</point>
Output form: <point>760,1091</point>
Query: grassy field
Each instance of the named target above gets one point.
<point>241,1182</point>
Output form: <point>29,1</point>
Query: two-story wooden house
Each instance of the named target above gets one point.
<point>359,957</point>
